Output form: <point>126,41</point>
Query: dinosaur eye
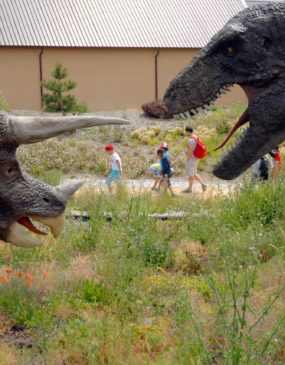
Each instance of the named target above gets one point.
<point>9,169</point>
<point>230,51</point>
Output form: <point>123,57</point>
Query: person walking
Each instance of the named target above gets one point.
<point>261,168</point>
<point>196,151</point>
<point>115,173</point>
<point>277,162</point>
<point>165,170</point>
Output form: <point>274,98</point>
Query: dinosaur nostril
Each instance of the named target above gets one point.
<point>46,199</point>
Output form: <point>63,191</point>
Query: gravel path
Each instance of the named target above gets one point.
<point>214,186</point>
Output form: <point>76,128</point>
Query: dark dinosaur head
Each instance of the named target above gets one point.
<point>24,199</point>
<point>249,51</point>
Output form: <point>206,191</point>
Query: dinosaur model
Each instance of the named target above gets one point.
<point>248,51</point>
<point>24,199</point>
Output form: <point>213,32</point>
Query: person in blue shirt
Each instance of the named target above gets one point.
<point>166,172</point>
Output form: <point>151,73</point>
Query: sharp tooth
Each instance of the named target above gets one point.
<point>201,110</point>
<point>181,116</point>
<point>223,92</point>
<point>187,114</point>
<point>18,236</point>
<point>176,116</point>
<point>193,111</point>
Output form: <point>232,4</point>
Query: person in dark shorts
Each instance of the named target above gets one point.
<point>165,170</point>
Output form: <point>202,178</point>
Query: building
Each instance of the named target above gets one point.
<point>121,53</point>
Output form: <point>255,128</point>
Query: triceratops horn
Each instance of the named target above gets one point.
<point>67,189</point>
<point>26,130</point>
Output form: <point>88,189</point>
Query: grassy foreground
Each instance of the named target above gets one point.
<point>208,289</point>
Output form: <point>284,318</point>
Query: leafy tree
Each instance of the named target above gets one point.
<point>56,101</point>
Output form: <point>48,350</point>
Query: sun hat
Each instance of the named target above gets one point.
<point>109,147</point>
<point>164,145</point>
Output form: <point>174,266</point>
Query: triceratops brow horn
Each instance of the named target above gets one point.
<point>25,130</point>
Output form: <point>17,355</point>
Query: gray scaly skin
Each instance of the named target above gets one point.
<point>22,196</point>
<point>248,51</point>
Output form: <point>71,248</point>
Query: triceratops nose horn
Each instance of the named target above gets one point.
<point>67,189</point>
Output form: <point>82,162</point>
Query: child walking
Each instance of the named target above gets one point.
<point>115,173</point>
<point>156,168</point>
<point>165,170</point>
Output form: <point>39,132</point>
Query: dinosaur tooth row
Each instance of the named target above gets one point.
<point>233,145</point>
<point>203,108</point>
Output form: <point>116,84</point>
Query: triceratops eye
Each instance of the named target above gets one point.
<point>9,169</point>
<point>230,51</point>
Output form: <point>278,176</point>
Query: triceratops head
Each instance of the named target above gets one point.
<point>24,199</point>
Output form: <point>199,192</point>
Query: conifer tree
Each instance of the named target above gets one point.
<point>56,101</point>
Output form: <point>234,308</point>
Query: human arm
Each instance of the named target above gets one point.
<point>119,164</point>
<point>191,148</point>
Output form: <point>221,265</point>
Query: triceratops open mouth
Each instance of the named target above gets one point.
<point>19,231</point>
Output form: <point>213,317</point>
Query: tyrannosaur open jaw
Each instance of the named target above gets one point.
<point>24,199</point>
<point>248,51</point>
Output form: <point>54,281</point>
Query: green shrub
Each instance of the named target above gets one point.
<point>3,102</point>
<point>223,127</point>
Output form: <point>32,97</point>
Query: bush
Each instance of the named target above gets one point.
<point>3,103</point>
<point>223,127</point>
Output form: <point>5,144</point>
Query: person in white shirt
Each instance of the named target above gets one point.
<point>116,170</point>
<point>192,162</point>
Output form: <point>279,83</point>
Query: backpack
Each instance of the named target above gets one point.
<point>200,150</point>
<point>264,169</point>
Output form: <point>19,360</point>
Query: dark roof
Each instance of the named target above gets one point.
<point>113,23</point>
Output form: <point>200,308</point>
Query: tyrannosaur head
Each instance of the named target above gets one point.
<point>24,199</point>
<point>249,51</point>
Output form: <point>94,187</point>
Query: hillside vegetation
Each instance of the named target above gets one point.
<point>83,151</point>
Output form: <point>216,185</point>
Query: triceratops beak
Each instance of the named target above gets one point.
<point>19,236</point>
<point>25,130</point>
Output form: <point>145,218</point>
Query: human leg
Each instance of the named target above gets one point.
<point>114,176</point>
<point>190,173</point>
<point>198,178</point>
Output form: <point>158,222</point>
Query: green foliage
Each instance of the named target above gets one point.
<point>223,127</point>
<point>114,292</point>
<point>56,101</point>
<point>92,292</point>
<point>3,103</point>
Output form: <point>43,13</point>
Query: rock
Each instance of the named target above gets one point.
<point>156,109</point>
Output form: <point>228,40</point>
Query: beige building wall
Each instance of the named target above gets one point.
<point>107,79</point>
<point>20,77</point>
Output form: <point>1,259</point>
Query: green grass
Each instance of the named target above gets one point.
<point>207,289</point>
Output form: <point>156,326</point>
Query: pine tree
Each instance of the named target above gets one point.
<point>56,101</point>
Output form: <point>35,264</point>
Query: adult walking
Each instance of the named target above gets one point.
<point>196,151</point>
